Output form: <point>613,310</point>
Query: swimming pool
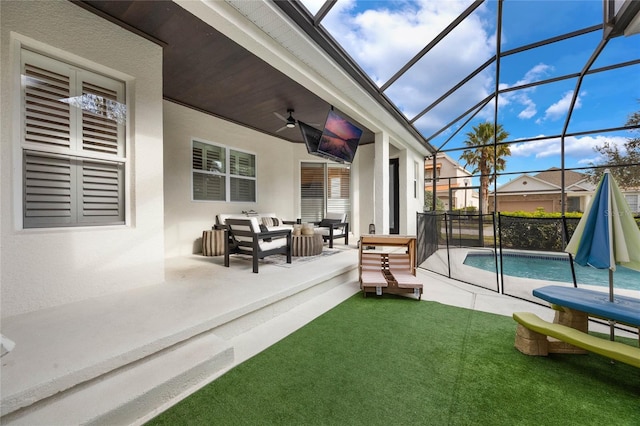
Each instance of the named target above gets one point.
<point>553,268</point>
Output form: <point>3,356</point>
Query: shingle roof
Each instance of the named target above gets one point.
<point>554,176</point>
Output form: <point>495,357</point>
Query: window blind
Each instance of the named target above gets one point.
<point>209,180</point>
<point>339,182</point>
<point>312,194</point>
<point>213,181</point>
<point>73,145</point>
<point>61,191</point>
<point>243,173</point>
<point>47,120</point>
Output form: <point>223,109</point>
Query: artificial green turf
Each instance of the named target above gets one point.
<point>393,360</point>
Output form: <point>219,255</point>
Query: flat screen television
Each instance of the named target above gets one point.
<point>311,137</point>
<point>340,139</point>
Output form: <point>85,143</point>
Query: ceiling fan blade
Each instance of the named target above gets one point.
<point>281,129</point>
<point>280,116</point>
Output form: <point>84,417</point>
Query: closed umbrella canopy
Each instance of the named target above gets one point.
<point>607,233</point>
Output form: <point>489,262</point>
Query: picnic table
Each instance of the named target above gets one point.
<point>573,307</point>
<point>581,303</point>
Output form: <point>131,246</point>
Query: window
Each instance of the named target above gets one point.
<point>573,204</point>
<point>428,178</point>
<point>221,174</point>
<point>324,187</point>
<point>416,174</point>
<point>73,145</point>
<point>632,200</point>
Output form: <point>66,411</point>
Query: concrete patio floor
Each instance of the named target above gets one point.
<point>59,348</point>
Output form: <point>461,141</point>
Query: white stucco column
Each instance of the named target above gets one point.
<point>381,183</point>
<point>406,193</point>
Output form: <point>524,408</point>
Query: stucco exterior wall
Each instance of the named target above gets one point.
<point>185,219</point>
<point>40,268</point>
<point>528,203</point>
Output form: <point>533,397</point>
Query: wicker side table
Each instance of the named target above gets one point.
<point>213,243</point>
<point>306,245</point>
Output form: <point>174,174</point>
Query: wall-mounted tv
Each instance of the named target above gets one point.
<point>340,139</point>
<point>311,137</point>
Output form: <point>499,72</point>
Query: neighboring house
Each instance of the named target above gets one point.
<point>632,195</point>
<point>543,191</point>
<point>453,183</point>
<point>142,188</point>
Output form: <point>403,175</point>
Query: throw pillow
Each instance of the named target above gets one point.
<point>264,229</point>
<point>307,229</point>
<point>329,222</point>
<point>270,221</point>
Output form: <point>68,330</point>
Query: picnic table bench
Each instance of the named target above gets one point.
<point>533,332</point>
<point>573,308</point>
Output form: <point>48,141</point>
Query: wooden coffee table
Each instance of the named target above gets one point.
<point>306,245</point>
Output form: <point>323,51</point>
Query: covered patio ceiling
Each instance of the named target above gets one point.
<point>207,71</point>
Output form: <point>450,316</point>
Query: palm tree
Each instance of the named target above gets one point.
<point>485,157</point>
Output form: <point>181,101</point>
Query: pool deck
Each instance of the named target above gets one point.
<point>521,288</point>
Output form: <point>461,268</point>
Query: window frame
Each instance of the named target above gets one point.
<point>94,138</point>
<point>227,173</point>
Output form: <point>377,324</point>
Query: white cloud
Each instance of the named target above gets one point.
<point>522,97</point>
<point>382,40</point>
<point>580,148</point>
<point>530,108</point>
<point>559,109</point>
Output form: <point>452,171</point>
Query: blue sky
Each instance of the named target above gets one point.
<point>382,36</point>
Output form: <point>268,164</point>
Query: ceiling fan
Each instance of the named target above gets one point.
<point>290,122</point>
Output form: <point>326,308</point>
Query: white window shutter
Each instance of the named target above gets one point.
<point>103,116</point>
<point>100,196</point>
<point>48,194</point>
<point>73,145</point>
<point>47,120</point>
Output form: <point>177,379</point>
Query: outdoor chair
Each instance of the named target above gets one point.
<point>372,273</point>
<point>246,237</point>
<point>403,274</point>
<point>333,226</point>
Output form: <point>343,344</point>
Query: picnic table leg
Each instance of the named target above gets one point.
<point>570,318</point>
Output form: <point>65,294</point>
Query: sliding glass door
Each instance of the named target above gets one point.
<point>324,188</point>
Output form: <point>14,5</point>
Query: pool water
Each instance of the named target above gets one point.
<point>554,268</point>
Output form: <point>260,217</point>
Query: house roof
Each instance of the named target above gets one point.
<point>548,181</point>
<point>554,177</point>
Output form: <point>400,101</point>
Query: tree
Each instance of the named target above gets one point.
<point>485,157</point>
<point>428,202</point>
<point>624,164</point>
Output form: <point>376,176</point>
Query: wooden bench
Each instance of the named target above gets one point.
<point>532,332</point>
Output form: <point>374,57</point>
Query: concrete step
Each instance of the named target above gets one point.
<point>134,391</point>
<point>123,395</point>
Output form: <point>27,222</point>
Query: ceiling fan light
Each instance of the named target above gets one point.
<point>291,124</point>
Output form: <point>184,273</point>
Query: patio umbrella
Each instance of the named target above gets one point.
<point>607,234</point>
